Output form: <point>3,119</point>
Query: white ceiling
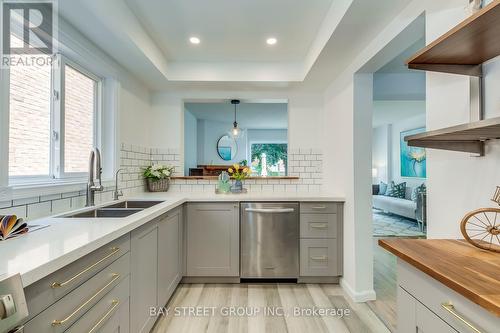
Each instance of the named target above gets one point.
<point>249,115</point>
<point>232,31</point>
<point>317,39</point>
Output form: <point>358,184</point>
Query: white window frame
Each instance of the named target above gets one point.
<point>57,128</point>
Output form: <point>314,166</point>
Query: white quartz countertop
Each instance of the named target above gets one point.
<point>42,252</point>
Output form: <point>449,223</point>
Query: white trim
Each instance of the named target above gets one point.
<point>4,127</point>
<point>358,296</point>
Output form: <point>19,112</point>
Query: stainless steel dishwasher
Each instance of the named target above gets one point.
<point>269,240</point>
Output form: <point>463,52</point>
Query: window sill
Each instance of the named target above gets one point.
<point>28,190</point>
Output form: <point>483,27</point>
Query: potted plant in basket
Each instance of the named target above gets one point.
<point>158,177</point>
<point>239,174</point>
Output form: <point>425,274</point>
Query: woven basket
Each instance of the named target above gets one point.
<point>158,185</point>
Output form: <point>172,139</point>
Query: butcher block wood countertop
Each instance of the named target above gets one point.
<point>471,272</point>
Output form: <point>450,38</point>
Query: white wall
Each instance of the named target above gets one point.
<point>381,152</point>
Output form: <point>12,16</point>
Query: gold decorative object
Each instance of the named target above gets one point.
<point>481,227</point>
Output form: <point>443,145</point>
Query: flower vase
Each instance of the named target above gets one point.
<point>237,186</point>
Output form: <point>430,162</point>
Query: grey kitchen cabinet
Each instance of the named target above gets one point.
<point>169,254</point>
<point>59,316</point>
<point>144,276</point>
<point>212,239</point>
<point>318,257</point>
<point>110,314</point>
<point>55,286</point>
<point>321,235</point>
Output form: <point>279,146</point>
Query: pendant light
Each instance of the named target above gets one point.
<point>236,132</point>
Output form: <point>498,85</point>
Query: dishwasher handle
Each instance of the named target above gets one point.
<point>269,210</point>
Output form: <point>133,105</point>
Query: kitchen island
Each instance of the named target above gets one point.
<point>446,285</point>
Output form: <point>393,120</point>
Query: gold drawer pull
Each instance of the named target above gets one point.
<point>61,322</point>
<point>114,305</point>
<point>319,258</point>
<point>114,250</point>
<point>319,225</point>
<point>318,207</point>
<point>448,306</point>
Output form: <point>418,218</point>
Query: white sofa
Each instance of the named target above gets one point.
<point>403,207</point>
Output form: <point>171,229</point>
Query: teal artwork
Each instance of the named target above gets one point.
<point>413,159</point>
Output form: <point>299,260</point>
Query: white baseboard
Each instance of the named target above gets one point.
<point>358,296</point>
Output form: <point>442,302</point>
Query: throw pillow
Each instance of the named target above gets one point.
<point>396,190</point>
<point>419,189</point>
<point>382,188</point>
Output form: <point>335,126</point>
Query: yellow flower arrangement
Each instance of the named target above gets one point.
<point>239,173</point>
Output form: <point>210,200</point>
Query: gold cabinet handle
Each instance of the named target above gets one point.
<point>318,207</point>
<point>319,225</point>
<point>448,306</point>
<point>78,309</point>
<point>319,258</point>
<point>114,250</point>
<point>114,305</point>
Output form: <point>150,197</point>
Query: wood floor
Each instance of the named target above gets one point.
<point>385,285</point>
<point>283,298</point>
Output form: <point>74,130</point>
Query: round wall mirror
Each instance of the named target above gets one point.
<point>227,148</point>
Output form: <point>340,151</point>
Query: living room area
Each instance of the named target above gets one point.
<point>398,171</point>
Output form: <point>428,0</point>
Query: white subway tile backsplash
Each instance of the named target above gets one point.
<point>50,197</point>
<point>4,204</point>
<point>61,206</point>
<point>19,211</point>
<point>25,201</point>
<point>38,210</point>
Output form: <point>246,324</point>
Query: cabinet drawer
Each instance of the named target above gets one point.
<point>59,316</point>
<point>50,289</point>
<point>110,314</point>
<point>434,295</point>
<point>318,225</point>
<point>318,257</point>
<point>318,207</point>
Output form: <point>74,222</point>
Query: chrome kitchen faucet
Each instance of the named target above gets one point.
<point>94,169</point>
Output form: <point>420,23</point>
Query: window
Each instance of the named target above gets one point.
<point>79,111</point>
<point>269,159</point>
<point>53,115</point>
<point>30,120</point>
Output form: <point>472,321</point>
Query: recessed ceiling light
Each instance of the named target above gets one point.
<point>271,41</point>
<point>194,40</point>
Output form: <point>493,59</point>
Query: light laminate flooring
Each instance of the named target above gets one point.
<point>282,298</point>
<point>385,285</point>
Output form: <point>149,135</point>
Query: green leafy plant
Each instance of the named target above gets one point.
<point>158,172</point>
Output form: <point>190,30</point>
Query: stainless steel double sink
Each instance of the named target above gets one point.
<point>116,210</point>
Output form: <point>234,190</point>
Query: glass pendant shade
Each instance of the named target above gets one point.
<point>236,131</point>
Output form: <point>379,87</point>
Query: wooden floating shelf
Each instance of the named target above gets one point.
<point>464,138</point>
<point>463,49</point>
